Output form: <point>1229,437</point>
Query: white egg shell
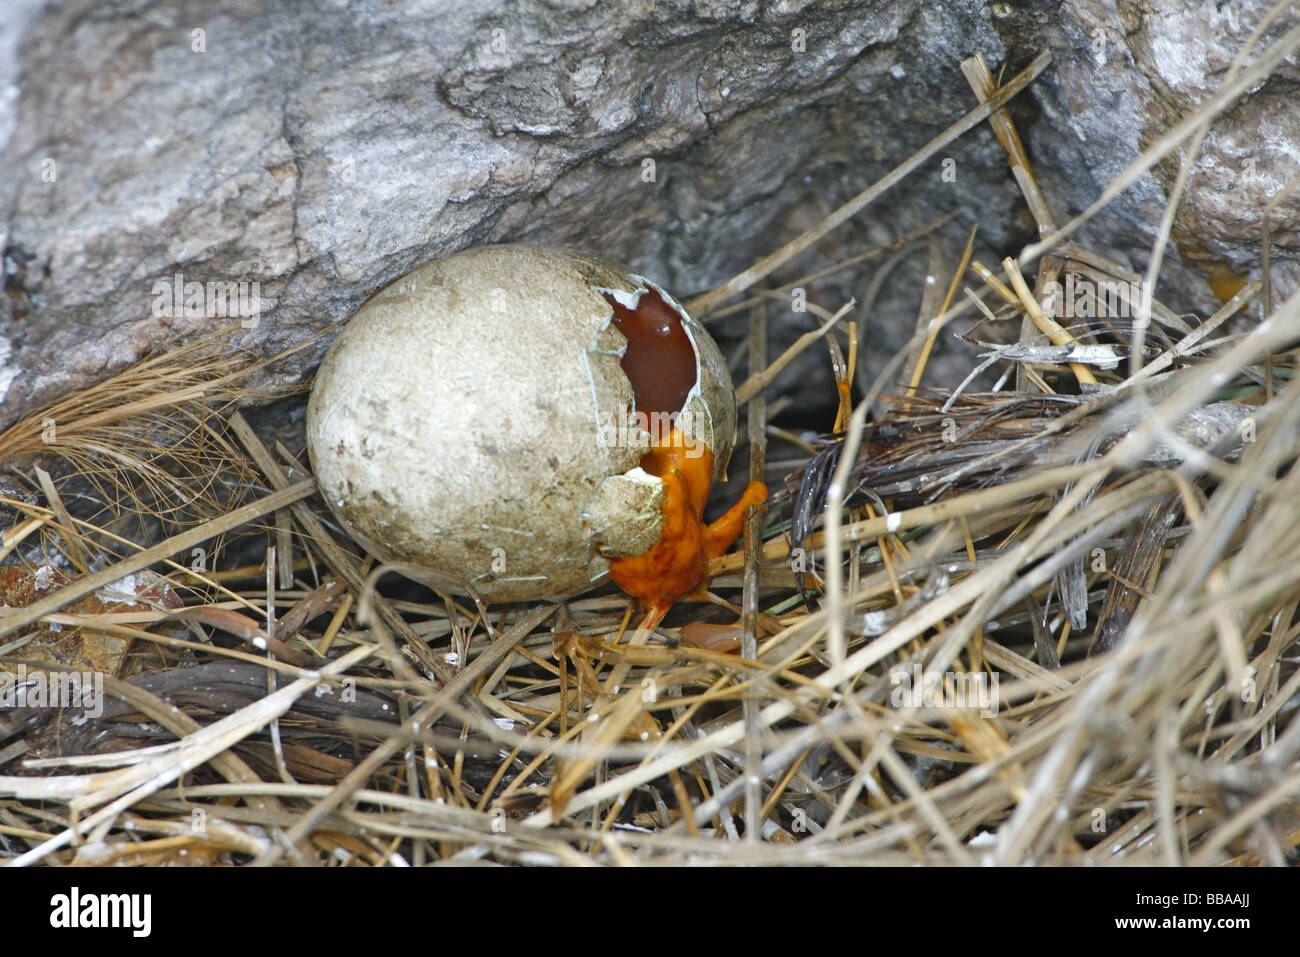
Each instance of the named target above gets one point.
<point>473,419</point>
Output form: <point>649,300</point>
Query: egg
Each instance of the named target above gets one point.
<point>519,422</point>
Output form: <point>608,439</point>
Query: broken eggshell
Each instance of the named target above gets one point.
<point>484,416</point>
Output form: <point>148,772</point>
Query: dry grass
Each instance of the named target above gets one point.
<point>1119,562</point>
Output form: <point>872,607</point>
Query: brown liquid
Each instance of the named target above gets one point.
<point>659,361</point>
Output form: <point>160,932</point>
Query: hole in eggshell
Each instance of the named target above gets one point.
<point>660,360</point>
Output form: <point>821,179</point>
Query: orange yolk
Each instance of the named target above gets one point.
<point>679,564</point>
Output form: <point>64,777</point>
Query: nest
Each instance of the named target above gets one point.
<point>1027,624</point>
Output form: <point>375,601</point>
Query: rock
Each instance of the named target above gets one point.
<point>310,156</point>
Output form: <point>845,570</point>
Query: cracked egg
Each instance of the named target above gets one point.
<point>502,418</point>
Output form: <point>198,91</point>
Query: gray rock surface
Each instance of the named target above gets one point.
<point>320,150</point>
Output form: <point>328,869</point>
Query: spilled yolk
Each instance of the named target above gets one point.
<point>1225,283</point>
<point>678,565</point>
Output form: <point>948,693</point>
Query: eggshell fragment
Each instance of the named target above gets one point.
<point>474,419</point>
